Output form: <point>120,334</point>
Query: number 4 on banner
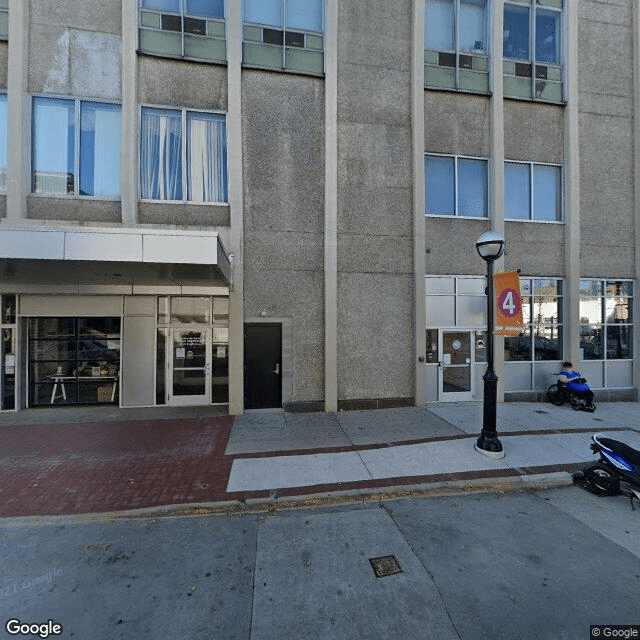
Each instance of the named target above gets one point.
<point>508,304</point>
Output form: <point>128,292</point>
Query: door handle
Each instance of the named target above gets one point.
<point>277,369</point>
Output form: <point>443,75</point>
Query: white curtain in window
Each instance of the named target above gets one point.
<point>53,145</point>
<point>207,158</point>
<point>268,12</point>
<point>438,33</point>
<point>106,163</point>
<point>472,31</point>
<point>160,155</point>
<point>304,14</point>
<point>3,142</point>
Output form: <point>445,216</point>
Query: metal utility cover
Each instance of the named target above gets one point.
<point>385,566</point>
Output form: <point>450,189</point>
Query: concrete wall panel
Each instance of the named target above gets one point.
<point>182,84</point>
<point>450,246</point>
<point>104,16</point>
<point>535,248</point>
<point>183,214</point>
<point>73,209</point>
<point>4,58</point>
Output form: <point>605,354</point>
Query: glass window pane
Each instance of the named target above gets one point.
<point>8,357</point>
<point>618,311</point>
<point>480,338</point>
<point>517,196</point>
<point>591,342</point>
<point>590,288</point>
<point>526,309</point>
<point>591,310</point>
<point>53,158</point>
<point>432,356</point>
<point>206,157</point>
<point>619,288</point>
<point>208,8</point>
<point>619,341</point>
<point>162,5</point>
<point>546,192</point>
<point>263,12</point>
<point>472,30</point>
<point>472,188</point>
<point>547,36</point>
<point>221,312</point>
<point>439,185</point>
<point>545,310</point>
<point>160,154</point>
<point>304,14</point>
<point>438,33</point>
<point>100,150</point>
<point>518,348</point>
<point>190,309</point>
<point>548,343</point>
<point>547,287</point>
<point>3,141</point>
<point>516,32</point>
<point>472,311</point>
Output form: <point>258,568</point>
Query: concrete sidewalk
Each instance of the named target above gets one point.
<point>101,460</point>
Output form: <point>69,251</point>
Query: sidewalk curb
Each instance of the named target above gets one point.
<point>271,505</point>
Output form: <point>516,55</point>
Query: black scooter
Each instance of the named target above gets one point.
<point>617,471</point>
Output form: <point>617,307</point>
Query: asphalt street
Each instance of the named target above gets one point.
<point>530,566</point>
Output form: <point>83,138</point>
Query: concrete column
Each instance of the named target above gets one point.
<point>572,190</point>
<point>419,264</point>
<point>496,168</point>
<point>129,136</point>
<point>234,130</point>
<point>18,112</point>
<point>636,188</point>
<point>331,208</point>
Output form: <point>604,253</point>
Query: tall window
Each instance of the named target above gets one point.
<point>171,139</point>
<point>456,38</point>
<point>606,319</point>
<point>532,191</point>
<point>76,160</point>
<point>456,186</point>
<point>3,142</point>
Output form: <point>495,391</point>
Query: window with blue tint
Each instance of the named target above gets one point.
<point>472,188</point>
<point>268,12</point>
<point>53,146</point>
<point>517,191</point>
<point>304,14</point>
<point>208,8</point>
<point>472,28</point>
<point>162,5</point>
<point>99,149</point>
<point>440,185</point>
<point>546,193</point>
<point>3,141</point>
<point>516,32</point>
<point>439,25</point>
<point>547,36</point>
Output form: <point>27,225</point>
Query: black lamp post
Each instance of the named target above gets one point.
<point>490,246</point>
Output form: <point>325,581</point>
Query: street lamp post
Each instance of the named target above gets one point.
<point>490,246</point>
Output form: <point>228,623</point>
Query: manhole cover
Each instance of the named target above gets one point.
<point>385,566</point>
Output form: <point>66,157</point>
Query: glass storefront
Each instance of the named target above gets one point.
<point>8,352</point>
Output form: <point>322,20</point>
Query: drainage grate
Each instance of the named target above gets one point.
<point>385,566</point>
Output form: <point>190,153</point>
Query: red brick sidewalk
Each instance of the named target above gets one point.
<point>112,466</point>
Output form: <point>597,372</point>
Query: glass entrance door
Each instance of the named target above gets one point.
<point>189,366</point>
<point>456,382</point>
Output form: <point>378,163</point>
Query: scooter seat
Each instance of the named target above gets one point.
<point>623,450</point>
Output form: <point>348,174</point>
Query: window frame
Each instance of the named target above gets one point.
<point>77,100</point>
<point>456,158</point>
<point>531,165</point>
<point>183,153</point>
<point>3,189</point>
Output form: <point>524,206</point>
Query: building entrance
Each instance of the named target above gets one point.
<point>263,362</point>
<point>189,369</point>
<point>456,366</point>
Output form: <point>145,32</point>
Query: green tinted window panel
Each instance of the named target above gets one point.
<point>509,68</point>
<point>517,87</point>
<point>162,42</point>
<point>480,63</point>
<point>304,61</point>
<point>430,57</point>
<point>554,73</point>
<point>215,28</point>
<point>4,24</point>
<point>551,91</point>
<point>205,48</point>
<point>474,81</point>
<point>151,20</point>
<point>262,55</point>
<point>439,77</point>
<point>4,4</point>
<point>557,4</point>
<point>315,42</point>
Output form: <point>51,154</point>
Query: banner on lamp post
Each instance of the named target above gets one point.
<point>508,304</point>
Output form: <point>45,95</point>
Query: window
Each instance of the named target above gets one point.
<point>532,191</point>
<point>3,142</point>
<point>541,338</point>
<point>76,160</point>
<point>184,28</point>
<point>284,34</point>
<point>456,186</point>
<point>606,319</point>
<point>171,139</point>
<point>456,44</point>
<point>4,18</point>
<point>531,38</point>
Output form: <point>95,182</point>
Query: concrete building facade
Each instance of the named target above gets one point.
<point>276,203</point>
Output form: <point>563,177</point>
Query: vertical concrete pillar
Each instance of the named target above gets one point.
<point>496,165</point>
<point>129,136</point>
<point>572,189</point>
<point>234,129</point>
<point>636,188</point>
<point>331,208</point>
<point>419,264</point>
<point>18,112</point>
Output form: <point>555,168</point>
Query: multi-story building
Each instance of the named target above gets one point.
<point>276,202</point>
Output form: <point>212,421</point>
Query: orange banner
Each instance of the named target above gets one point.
<point>508,304</point>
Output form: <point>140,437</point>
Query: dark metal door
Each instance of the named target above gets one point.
<point>262,366</point>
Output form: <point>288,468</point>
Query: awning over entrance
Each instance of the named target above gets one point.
<point>103,260</point>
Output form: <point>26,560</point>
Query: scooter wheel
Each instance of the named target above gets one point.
<point>601,481</point>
